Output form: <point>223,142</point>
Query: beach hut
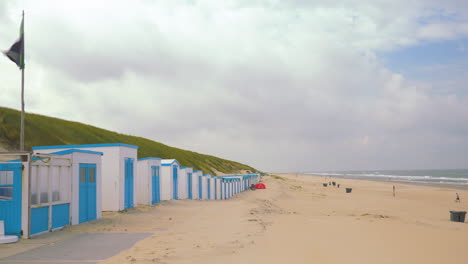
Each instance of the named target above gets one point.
<point>169,179</point>
<point>212,185</point>
<point>224,188</point>
<point>118,170</point>
<point>148,181</point>
<point>42,193</point>
<point>218,188</point>
<point>205,186</point>
<point>228,186</point>
<point>196,184</point>
<point>183,183</point>
<point>190,182</point>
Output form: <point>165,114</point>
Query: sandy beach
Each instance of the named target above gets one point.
<point>296,220</point>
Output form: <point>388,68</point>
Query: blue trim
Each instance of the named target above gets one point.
<point>173,160</point>
<point>184,167</point>
<point>85,146</point>
<point>170,164</point>
<point>68,151</point>
<point>149,158</point>
<point>198,171</point>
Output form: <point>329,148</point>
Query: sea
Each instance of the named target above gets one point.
<point>450,176</point>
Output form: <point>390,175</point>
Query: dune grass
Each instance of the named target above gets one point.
<point>278,177</point>
<point>45,131</point>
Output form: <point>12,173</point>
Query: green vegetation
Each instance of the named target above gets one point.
<point>278,177</point>
<point>46,131</point>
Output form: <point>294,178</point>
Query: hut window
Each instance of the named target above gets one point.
<point>6,177</point>
<point>43,184</point>
<point>6,182</point>
<point>34,199</point>
<point>55,182</point>
<point>82,175</point>
<point>6,193</point>
<point>92,174</point>
<point>60,184</point>
<point>65,183</point>
<point>50,184</point>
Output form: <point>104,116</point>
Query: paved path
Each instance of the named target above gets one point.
<point>79,249</point>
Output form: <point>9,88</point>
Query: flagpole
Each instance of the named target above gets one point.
<point>22,100</point>
<point>22,112</point>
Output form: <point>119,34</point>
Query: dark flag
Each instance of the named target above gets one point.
<point>16,52</point>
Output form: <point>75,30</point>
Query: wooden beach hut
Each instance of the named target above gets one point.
<point>169,179</point>
<point>190,182</point>
<point>212,187</point>
<point>196,184</point>
<point>206,187</point>
<point>45,192</point>
<point>182,183</point>
<point>148,181</point>
<point>118,170</point>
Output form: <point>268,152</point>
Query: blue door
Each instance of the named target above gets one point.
<point>128,201</point>
<point>10,197</point>
<point>175,182</point>
<point>200,188</point>
<point>216,190</point>
<point>156,191</point>
<point>189,191</point>
<point>87,192</point>
<point>209,188</point>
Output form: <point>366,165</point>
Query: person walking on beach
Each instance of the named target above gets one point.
<point>393,190</point>
<point>457,200</point>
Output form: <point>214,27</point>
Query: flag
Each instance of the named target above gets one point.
<point>16,52</point>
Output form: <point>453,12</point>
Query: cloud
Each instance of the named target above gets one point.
<point>280,85</point>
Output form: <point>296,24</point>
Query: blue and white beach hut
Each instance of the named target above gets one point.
<point>169,179</point>
<point>206,190</point>
<point>190,182</point>
<point>183,183</point>
<point>118,170</point>
<point>212,188</point>
<point>54,190</point>
<point>148,181</point>
<point>197,187</point>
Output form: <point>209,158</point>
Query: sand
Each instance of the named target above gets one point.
<point>296,220</point>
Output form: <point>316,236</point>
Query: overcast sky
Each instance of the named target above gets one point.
<point>293,85</point>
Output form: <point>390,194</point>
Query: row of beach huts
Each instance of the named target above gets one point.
<point>56,186</point>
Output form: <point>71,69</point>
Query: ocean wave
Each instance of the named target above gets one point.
<point>391,177</point>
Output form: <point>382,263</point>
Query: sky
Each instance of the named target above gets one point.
<point>284,86</point>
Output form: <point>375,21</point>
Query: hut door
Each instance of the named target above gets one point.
<point>87,192</point>
<point>189,175</point>
<point>175,182</point>
<point>215,189</point>
<point>10,197</point>
<point>209,188</point>
<point>156,193</point>
<point>200,188</point>
<point>128,183</point>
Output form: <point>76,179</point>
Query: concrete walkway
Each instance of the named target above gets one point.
<point>78,249</point>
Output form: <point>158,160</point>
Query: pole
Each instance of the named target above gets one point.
<point>22,100</point>
<point>22,112</point>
